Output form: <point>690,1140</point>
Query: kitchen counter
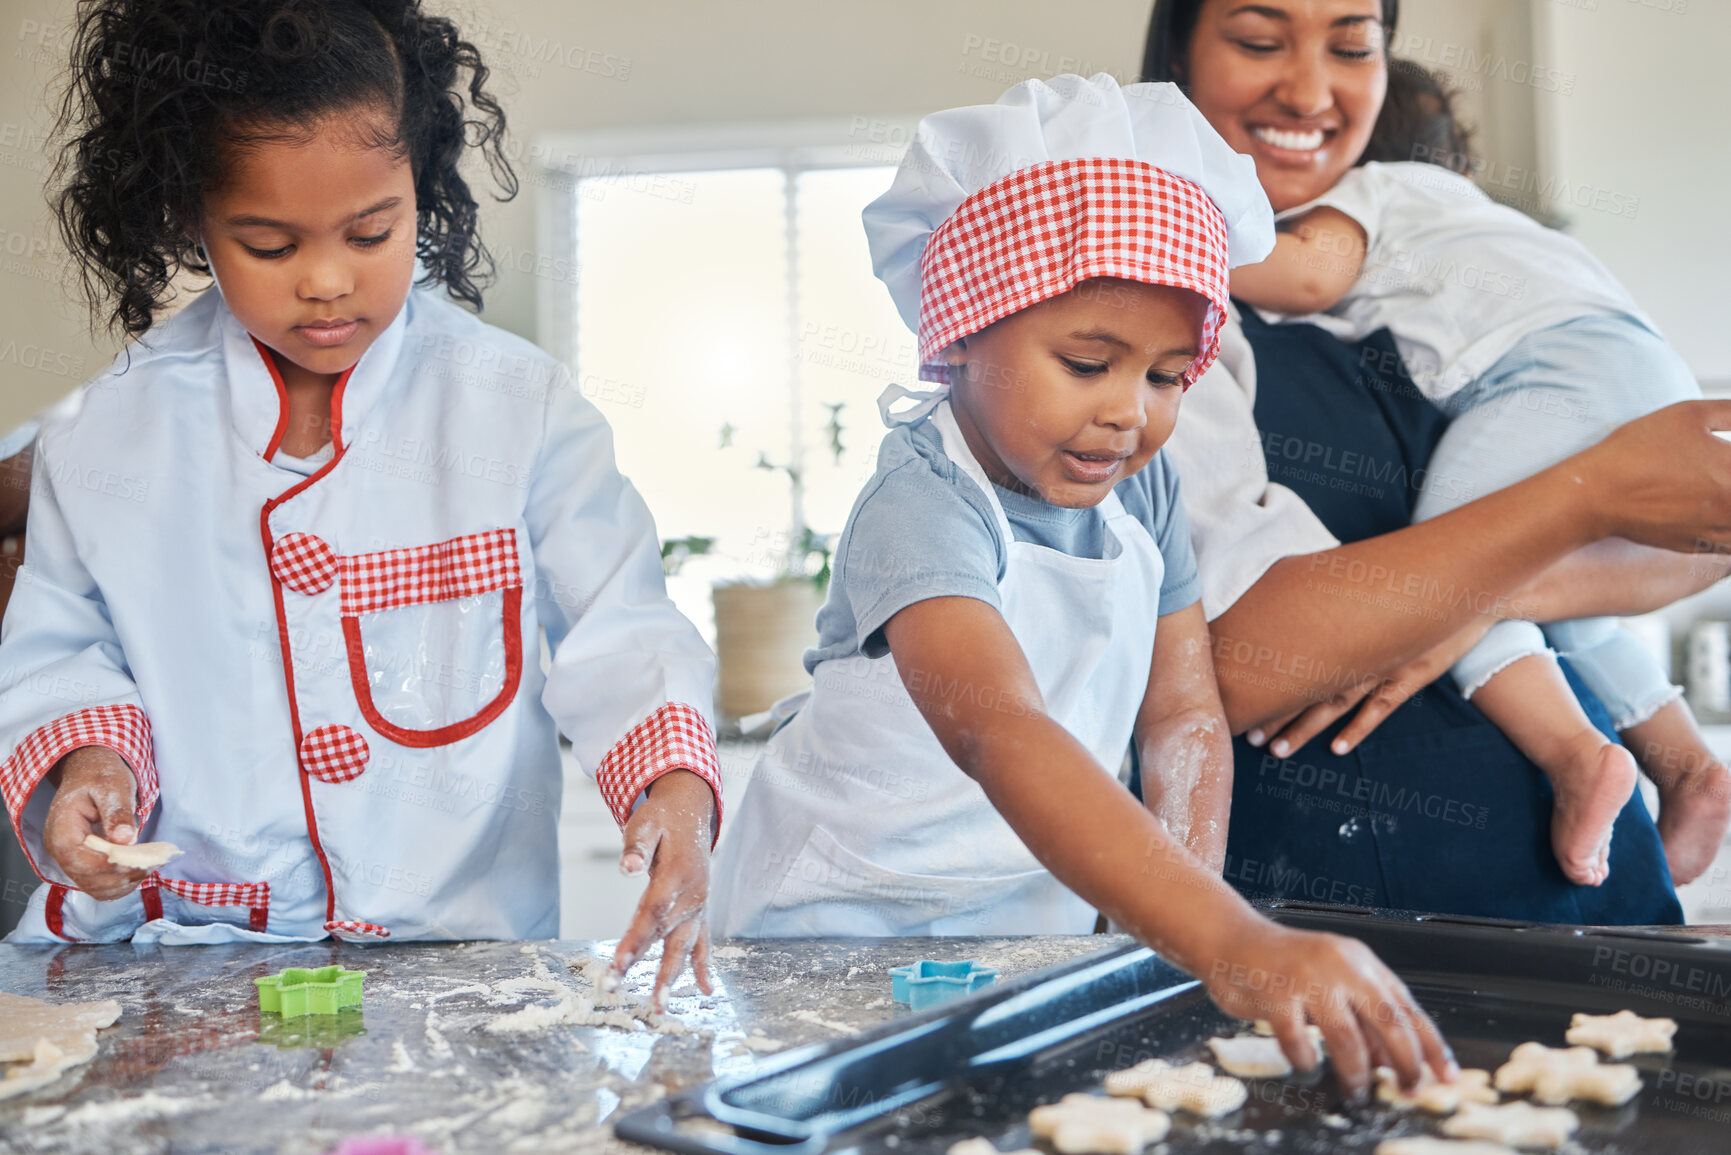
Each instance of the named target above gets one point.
<point>439,1049</point>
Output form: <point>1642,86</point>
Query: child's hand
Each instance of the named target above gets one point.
<point>95,793</point>
<point>1368,1017</point>
<point>670,835</point>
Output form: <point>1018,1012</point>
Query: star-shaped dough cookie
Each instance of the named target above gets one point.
<point>1091,1125</point>
<point>1193,1087</point>
<point>982,1146</point>
<point>1555,1075</point>
<point>1513,1124</point>
<point>1431,1145</point>
<point>1622,1034</point>
<point>1257,1056</point>
<point>1473,1086</point>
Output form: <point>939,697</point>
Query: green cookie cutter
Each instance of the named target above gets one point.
<point>300,991</point>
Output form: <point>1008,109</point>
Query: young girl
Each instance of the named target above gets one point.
<point>289,559</point>
<point>1535,352</point>
<point>1015,600</point>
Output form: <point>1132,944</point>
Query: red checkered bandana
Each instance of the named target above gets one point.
<point>1042,230</point>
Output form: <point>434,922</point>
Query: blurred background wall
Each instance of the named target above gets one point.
<point>1613,112</point>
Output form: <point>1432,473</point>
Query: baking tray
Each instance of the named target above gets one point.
<point>979,1065</point>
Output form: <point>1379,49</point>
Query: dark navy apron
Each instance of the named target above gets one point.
<point>1436,811</point>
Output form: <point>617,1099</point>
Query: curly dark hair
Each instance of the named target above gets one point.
<point>162,90</point>
<point>1418,121</point>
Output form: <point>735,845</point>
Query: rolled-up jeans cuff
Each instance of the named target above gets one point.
<point>1504,644</point>
<point>1647,709</point>
<point>1616,666</point>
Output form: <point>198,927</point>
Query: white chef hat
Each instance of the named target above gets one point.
<point>997,207</point>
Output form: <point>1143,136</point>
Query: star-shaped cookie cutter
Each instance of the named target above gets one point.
<point>928,982</point>
<point>303,991</point>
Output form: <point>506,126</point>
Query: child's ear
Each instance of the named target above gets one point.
<point>956,353</point>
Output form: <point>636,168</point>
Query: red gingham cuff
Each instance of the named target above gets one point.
<point>123,729</point>
<point>675,737</point>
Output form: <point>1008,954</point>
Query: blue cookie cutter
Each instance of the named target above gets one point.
<point>928,983</point>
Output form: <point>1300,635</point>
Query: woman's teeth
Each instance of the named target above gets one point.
<point>1295,141</point>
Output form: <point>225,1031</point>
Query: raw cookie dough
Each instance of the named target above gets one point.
<point>1194,1088</point>
<point>1256,1056</point>
<point>1555,1075</point>
<point>981,1146</point>
<point>1431,1145</point>
<point>44,1039</point>
<point>1622,1034</point>
<point>139,856</point>
<point>1439,1098</point>
<point>1090,1125</point>
<point>1513,1124</point>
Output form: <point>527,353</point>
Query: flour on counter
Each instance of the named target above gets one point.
<point>149,1105</point>
<point>401,1063</point>
<point>598,1007</point>
<point>729,952</point>
<point>818,1020</point>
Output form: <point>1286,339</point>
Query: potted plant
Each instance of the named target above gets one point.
<point>764,627</point>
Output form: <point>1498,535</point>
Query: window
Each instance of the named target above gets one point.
<point>721,311</point>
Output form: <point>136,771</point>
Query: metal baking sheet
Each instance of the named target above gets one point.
<point>978,1066</point>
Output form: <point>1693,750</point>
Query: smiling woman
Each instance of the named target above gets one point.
<point>1320,592</point>
<point>1296,87</point>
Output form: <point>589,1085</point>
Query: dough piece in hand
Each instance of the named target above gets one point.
<point>1513,1124</point>
<point>1555,1075</point>
<point>1257,1056</point>
<point>1622,1034</point>
<point>1193,1087</point>
<point>1433,1095</point>
<point>1431,1145</point>
<point>1090,1125</point>
<point>138,856</point>
<point>39,1040</point>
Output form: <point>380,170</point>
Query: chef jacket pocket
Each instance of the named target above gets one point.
<point>434,635</point>
<point>837,892</point>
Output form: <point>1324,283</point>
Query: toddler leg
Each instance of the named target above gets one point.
<point>1694,788</point>
<point>1592,778</point>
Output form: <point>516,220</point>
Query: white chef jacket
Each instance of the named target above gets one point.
<point>398,775</point>
<point>1240,522</point>
<point>1456,278</point>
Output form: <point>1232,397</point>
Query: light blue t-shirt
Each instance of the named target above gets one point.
<point>923,529</point>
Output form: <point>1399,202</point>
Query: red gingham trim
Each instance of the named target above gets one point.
<point>255,896</point>
<point>675,737</point>
<point>1041,230</point>
<point>352,930</point>
<point>123,729</point>
<point>303,563</point>
<point>334,754</point>
<point>476,564</point>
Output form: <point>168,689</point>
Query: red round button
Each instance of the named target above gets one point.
<point>303,563</point>
<point>334,754</point>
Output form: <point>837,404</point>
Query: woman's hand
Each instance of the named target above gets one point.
<point>1367,1016</point>
<point>670,836</point>
<point>1379,696</point>
<point>1663,480</point>
<point>95,793</point>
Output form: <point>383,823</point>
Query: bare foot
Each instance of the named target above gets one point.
<point>1694,789</point>
<point>1694,810</point>
<point>1591,782</point>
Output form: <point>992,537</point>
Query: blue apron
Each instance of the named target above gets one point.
<point>1436,811</point>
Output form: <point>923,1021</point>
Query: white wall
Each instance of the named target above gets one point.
<point>1646,116</point>
<point>1646,126</point>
